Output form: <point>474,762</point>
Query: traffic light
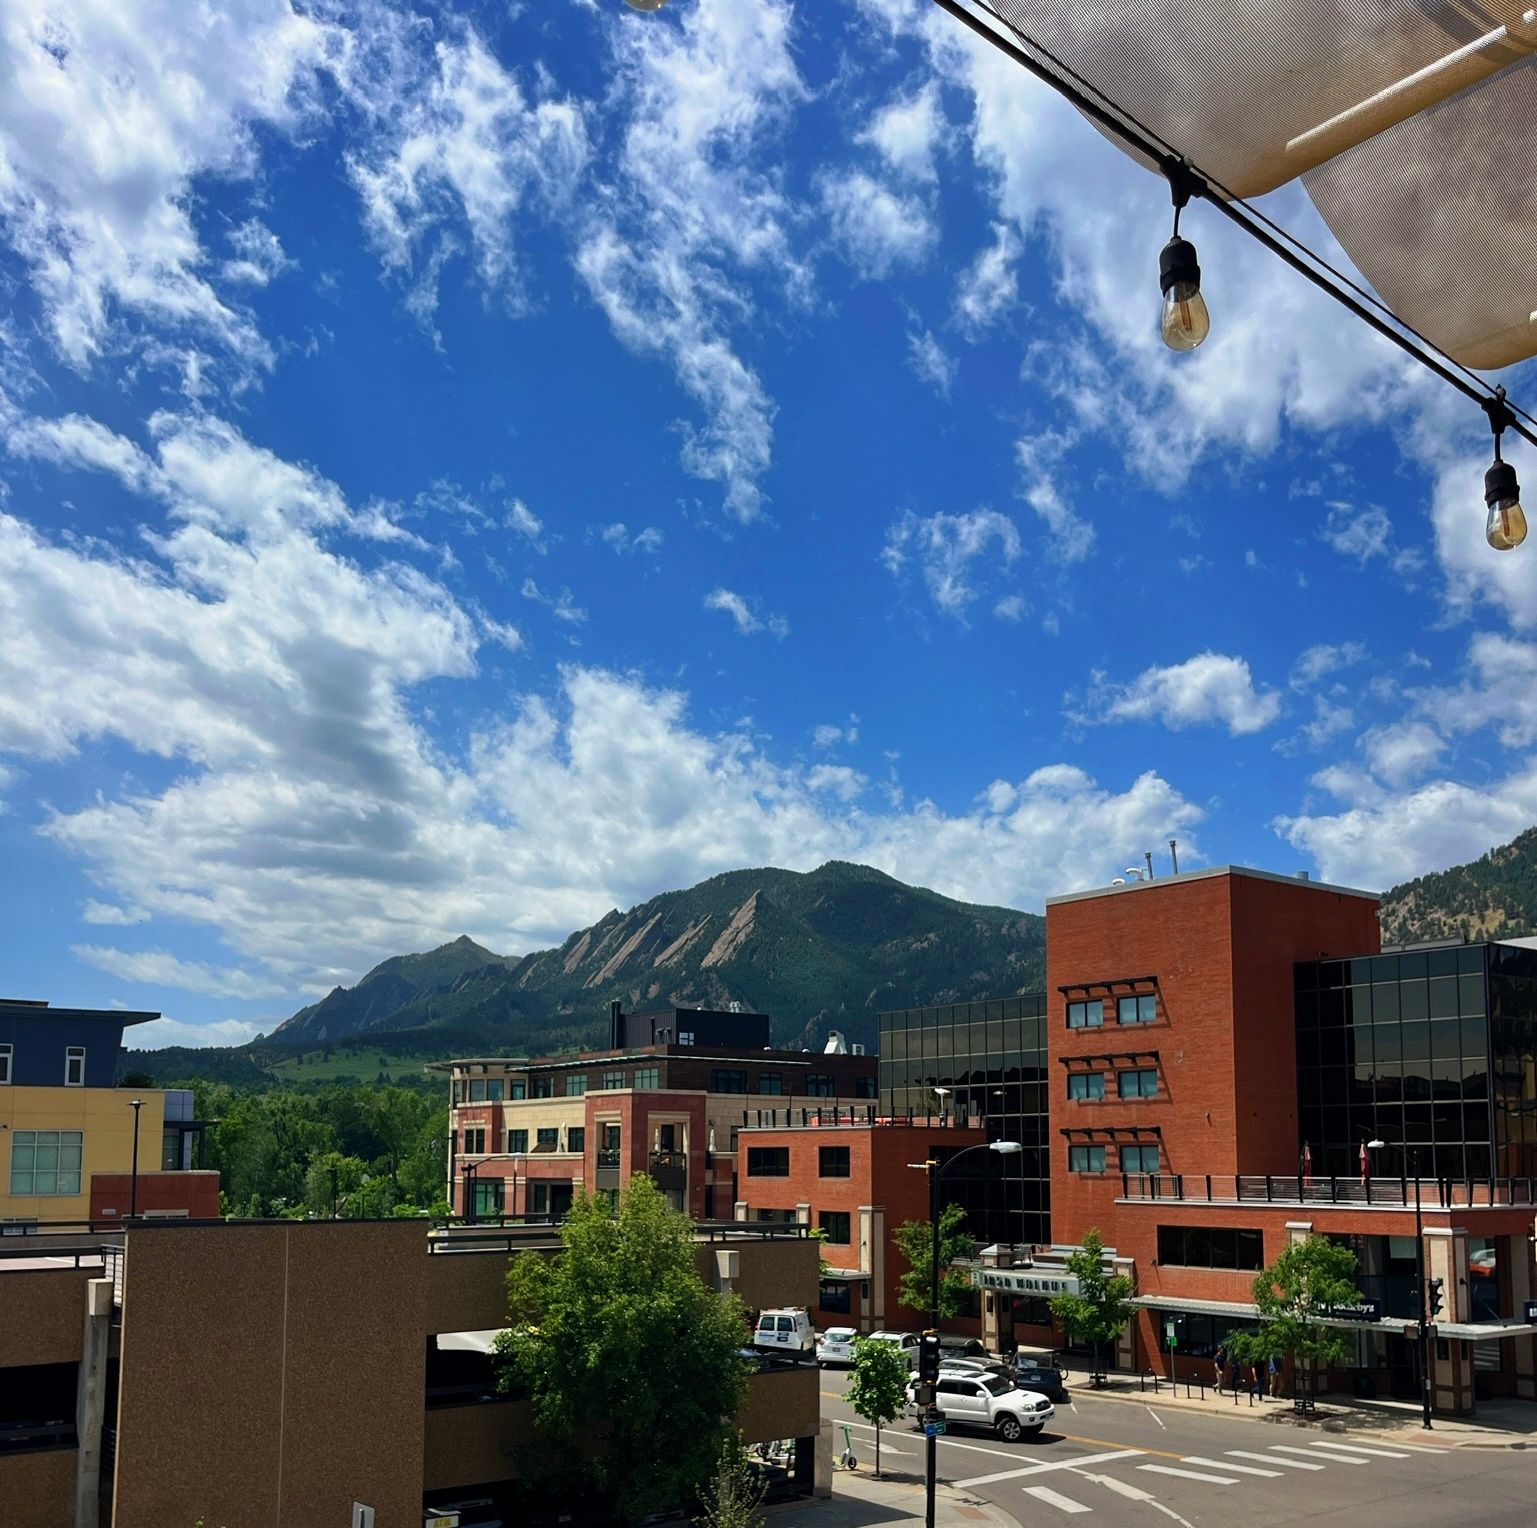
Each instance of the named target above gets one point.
<point>928,1357</point>
<point>923,1394</point>
<point>1434,1287</point>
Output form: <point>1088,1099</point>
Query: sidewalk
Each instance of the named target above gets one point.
<point>1497,1424</point>
<point>861,1501</point>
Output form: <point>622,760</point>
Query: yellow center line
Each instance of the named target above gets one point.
<point>1157,1453</point>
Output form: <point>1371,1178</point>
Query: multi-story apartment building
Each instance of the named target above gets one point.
<point>668,1097</point>
<point>73,1146</point>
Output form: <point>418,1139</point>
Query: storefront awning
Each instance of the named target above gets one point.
<point>1391,1326</point>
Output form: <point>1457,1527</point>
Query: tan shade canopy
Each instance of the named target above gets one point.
<point>1412,123</point>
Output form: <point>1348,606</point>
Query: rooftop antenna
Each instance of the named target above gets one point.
<point>1174,854</point>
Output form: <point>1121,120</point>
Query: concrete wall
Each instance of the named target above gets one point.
<point>194,1192</point>
<point>473,1445</point>
<point>42,1315</point>
<point>36,1488</point>
<point>271,1375</point>
<point>781,1403</point>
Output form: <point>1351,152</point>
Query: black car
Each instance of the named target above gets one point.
<point>1047,1378</point>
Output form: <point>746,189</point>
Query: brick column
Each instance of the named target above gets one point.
<point>1451,1360</point>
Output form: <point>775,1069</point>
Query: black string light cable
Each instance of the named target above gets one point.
<point>1179,274</point>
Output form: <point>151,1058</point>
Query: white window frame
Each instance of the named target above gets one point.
<point>59,1139</point>
<point>72,1055</point>
<point>6,1052</point>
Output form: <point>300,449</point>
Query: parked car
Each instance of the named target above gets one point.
<point>960,1347</point>
<point>836,1346</point>
<point>906,1343</point>
<point>990,1402</point>
<point>976,1366</point>
<point>786,1329</point>
<point>1049,1378</point>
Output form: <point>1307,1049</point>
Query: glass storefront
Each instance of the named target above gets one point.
<point>992,1057</point>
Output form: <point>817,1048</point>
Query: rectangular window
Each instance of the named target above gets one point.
<point>1139,1159</point>
<point>576,1138</point>
<point>834,1297</point>
<point>836,1224</point>
<point>614,1080</point>
<point>610,1137</point>
<point>1141,1009</point>
<point>1211,1247</point>
<point>576,1084</point>
<point>866,1087</point>
<point>832,1161</point>
<point>819,1085</point>
<point>475,1141</point>
<point>648,1078</point>
<point>488,1197</point>
<point>494,1090</point>
<point>728,1080</point>
<point>1086,1159</point>
<point>477,1091</point>
<point>5,1065</point>
<point>547,1138</point>
<point>458,1091</point>
<point>1089,1015</point>
<point>517,1088</point>
<point>1086,1085</point>
<point>685,1037</point>
<point>46,1161</point>
<point>768,1161</point>
<point>1143,1083</point>
<point>770,1082</point>
<point>74,1068</point>
<point>517,1142</point>
<point>544,1087</point>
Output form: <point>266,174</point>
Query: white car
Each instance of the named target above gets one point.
<point>906,1343</point>
<point>991,1403</point>
<point>785,1329</point>
<point>836,1346</point>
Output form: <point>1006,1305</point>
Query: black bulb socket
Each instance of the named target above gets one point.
<point>1500,484</point>
<point>1177,264</point>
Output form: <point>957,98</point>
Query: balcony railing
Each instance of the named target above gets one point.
<point>608,1156</point>
<point>1395,1193</point>
<point>677,1160</point>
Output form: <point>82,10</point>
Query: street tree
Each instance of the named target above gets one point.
<point>1101,1310</point>
<point>1295,1296</point>
<point>630,1360</point>
<point>734,1499</point>
<point>877,1388</point>
<point>915,1241</point>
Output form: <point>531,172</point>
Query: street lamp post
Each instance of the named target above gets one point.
<point>936,1169</point>
<point>1420,1291</point>
<point>133,1191</point>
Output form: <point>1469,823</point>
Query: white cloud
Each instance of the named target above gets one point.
<point>836,780</point>
<point>952,552</point>
<point>1363,532</point>
<point>1010,608</point>
<point>928,359</point>
<point>259,257</point>
<point>1071,537</point>
<point>990,287</point>
<point>159,968</point>
<point>562,605</point>
<point>1322,659</point>
<point>109,115</point>
<point>876,227</point>
<point>526,523</point>
<point>162,1032</point>
<point>744,614</point>
<point>1209,688</point>
<point>1400,753</point>
<point>110,913</point>
<point>829,735</point>
<point>618,537</point>
<point>907,131</point>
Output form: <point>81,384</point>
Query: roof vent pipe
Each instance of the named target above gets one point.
<point>1174,854</point>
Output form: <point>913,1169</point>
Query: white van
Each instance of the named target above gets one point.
<point>785,1330</point>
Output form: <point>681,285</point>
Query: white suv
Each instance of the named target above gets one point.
<point>906,1343</point>
<point>787,1330</point>
<point>986,1401</point>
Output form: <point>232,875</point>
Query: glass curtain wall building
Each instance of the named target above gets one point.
<point>1429,1050</point>
<point>992,1057</point>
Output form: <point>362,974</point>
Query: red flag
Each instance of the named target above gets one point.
<point>1307,1165</point>
<point>1363,1164</point>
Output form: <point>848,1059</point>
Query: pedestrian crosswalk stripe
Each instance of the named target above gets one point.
<point>1291,1464</point>
<point>1168,1469</point>
<point>1307,1453</point>
<point>1071,1463</point>
<point>1056,1499</point>
<point>1361,1448</point>
<point>1237,1469</point>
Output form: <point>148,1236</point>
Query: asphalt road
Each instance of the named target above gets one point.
<point>1137,1465</point>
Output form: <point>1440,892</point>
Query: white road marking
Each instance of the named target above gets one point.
<point>1120,1487</point>
<point>1158,1419</point>
<point>1055,1464</point>
<point>1361,1448</point>
<point>1237,1469</point>
<point>1310,1453</point>
<point>1291,1464</point>
<point>945,1442</point>
<point>1168,1469</point>
<point>1056,1499</point>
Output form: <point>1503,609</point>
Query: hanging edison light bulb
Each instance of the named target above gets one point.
<point>1185,319</point>
<point>1505,529</point>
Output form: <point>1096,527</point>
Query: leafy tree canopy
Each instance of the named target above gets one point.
<point>877,1388</point>
<point>914,1239</point>
<point>1101,1310</point>
<point>631,1360</point>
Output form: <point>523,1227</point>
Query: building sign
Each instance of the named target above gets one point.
<point>1013,1282</point>
<point>1367,1310</point>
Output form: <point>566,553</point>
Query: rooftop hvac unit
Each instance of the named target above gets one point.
<point>859,1050</point>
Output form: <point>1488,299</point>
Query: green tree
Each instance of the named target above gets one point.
<point>1294,1296</point>
<point>915,1239</point>
<point>631,1361</point>
<point>734,1499</point>
<point>877,1387</point>
<point>1101,1310</point>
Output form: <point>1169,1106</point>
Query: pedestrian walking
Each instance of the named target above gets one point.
<point>1220,1359</point>
<point>1256,1380</point>
<point>1275,1379</point>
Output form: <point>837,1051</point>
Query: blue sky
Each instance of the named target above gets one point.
<point>462,470</point>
